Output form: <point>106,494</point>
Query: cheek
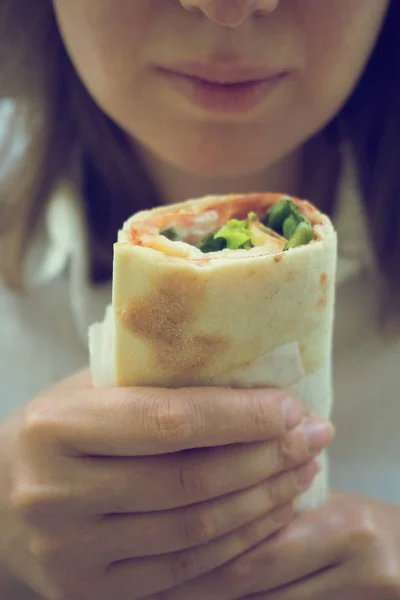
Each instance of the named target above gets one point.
<point>339,37</point>
<point>106,45</point>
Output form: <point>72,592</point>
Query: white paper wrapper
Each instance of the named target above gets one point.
<point>101,349</point>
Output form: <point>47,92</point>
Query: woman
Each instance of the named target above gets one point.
<point>176,99</point>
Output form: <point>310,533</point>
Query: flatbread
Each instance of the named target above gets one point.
<point>242,318</point>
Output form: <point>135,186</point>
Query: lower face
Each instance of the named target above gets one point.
<point>291,69</point>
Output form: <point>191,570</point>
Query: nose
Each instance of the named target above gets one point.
<point>230,13</point>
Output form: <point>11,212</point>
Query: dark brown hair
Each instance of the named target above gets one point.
<point>56,113</point>
<point>371,121</point>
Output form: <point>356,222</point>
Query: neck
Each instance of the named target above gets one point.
<point>174,185</point>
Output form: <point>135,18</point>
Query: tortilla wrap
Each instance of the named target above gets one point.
<point>243,318</point>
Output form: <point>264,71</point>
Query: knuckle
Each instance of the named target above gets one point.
<point>260,412</point>
<point>242,575</point>
<point>260,530</point>
<point>239,575</point>
<point>281,517</point>
<point>27,501</point>
<point>37,422</point>
<point>183,567</point>
<point>281,489</point>
<point>278,459</point>
<point>293,449</point>
<point>198,526</point>
<point>193,482</point>
<point>245,397</point>
<point>46,550</point>
<point>173,419</point>
<point>35,502</point>
<point>364,531</point>
<point>249,535</point>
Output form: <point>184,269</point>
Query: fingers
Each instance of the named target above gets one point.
<point>174,569</point>
<point>172,531</point>
<point>327,585</point>
<point>160,483</point>
<point>135,422</point>
<point>308,545</point>
<point>76,381</point>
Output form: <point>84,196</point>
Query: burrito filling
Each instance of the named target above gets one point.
<point>281,228</point>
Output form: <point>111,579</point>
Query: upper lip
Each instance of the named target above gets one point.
<point>223,74</point>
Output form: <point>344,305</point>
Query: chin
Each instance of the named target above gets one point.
<point>217,158</point>
<point>230,166</point>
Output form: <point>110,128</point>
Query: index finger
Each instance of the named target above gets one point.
<point>148,421</point>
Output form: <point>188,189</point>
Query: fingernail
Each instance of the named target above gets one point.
<point>306,474</point>
<point>292,413</point>
<point>319,433</point>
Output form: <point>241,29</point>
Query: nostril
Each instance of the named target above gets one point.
<point>230,13</point>
<point>190,5</point>
<point>193,8</point>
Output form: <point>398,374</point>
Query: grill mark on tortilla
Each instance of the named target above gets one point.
<point>323,298</point>
<point>290,275</point>
<point>165,320</point>
<point>324,279</point>
<point>322,301</point>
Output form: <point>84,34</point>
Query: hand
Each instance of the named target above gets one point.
<point>113,493</point>
<point>348,549</point>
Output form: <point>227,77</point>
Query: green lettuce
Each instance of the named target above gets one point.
<point>278,214</point>
<point>285,218</point>
<point>302,236</point>
<point>210,244</point>
<point>234,235</point>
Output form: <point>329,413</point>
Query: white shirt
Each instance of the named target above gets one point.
<point>43,337</point>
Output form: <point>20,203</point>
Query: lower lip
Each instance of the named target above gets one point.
<point>237,98</point>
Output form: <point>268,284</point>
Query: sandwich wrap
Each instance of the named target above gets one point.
<point>204,297</point>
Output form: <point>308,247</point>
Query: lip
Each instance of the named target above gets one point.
<point>223,73</point>
<point>221,88</point>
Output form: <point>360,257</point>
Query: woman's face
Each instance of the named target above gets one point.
<point>220,86</point>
